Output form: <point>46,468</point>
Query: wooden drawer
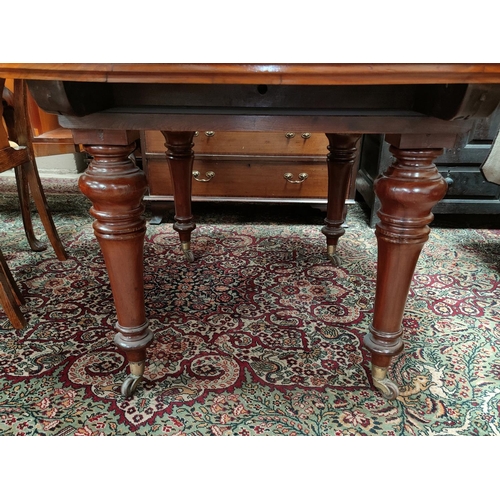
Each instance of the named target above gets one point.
<point>467,182</point>
<point>247,143</point>
<point>245,179</point>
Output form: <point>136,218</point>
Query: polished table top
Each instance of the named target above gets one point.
<point>276,74</point>
<point>317,97</point>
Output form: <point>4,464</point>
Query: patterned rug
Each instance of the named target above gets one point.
<point>259,336</point>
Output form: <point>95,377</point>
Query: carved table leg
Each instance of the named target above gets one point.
<point>407,190</point>
<point>180,158</point>
<point>116,186</point>
<point>340,160</point>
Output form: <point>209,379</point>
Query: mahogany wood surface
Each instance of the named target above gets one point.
<point>180,156</point>
<point>408,190</point>
<point>339,161</point>
<point>116,187</point>
<point>436,102</point>
<point>279,74</point>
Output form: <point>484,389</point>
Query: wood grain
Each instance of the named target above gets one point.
<point>290,74</point>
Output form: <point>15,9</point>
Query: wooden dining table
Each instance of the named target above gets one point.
<point>419,108</point>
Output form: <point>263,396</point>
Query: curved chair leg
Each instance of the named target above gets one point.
<point>27,176</point>
<point>10,296</point>
<point>24,202</point>
<point>29,180</point>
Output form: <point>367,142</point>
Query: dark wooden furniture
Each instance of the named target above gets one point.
<point>47,136</point>
<point>468,190</point>
<point>18,154</point>
<point>420,109</point>
<point>10,296</point>
<point>268,167</point>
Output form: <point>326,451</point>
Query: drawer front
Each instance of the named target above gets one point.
<point>247,143</point>
<point>235,179</point>
<point>467,182</point>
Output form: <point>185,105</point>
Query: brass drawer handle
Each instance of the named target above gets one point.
<point>209,176</point>
<point>306,135</point>
<point>196,134</point>
<point>302,177</point>
<point>209,133</point>
<point>290,135</point>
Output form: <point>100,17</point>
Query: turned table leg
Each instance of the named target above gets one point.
<point>180,158</point>
<point>115,187</point>
<point>407,191</point>
<point>339,161</point>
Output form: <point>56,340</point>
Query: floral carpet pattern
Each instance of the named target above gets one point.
<point>261,335</point>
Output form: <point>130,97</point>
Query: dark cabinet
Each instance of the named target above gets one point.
<point>468,191</point>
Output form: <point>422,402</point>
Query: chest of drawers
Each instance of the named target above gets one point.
<point>244,166</point>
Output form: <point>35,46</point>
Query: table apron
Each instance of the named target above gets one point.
<point>262,123</point>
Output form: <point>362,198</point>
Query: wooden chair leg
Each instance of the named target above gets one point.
<point>28,178</point>
<point>4,268</point>
<point>24,203</point>
<point>10,296</point>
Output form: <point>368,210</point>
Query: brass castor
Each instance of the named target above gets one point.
<point>188,253</point>
<point>133,380</point>
<point>332,255</point>
<point>130,385</point>
<point>386,386</point>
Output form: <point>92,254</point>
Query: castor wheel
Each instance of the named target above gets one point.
<point>189,255</point>
<point>130,385</point>
<point>331,253</point>
<point>387,387</point>
<point>186,250</point>
<point>334,259</point>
